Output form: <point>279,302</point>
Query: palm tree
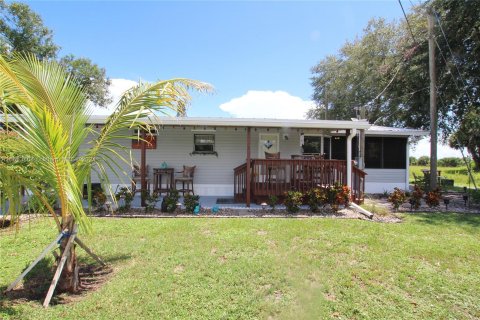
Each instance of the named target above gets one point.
<point>48,111</point>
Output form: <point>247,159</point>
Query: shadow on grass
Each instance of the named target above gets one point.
<point>35,285</point>
<point>449,218</point>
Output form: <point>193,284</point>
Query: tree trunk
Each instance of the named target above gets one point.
<point>68,281</point>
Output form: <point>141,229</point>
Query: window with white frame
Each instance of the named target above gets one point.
<point>204,143</point>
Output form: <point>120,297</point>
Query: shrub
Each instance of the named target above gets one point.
<point>397,198</point>
<point>99,198</point>
<point>412,161</point>
<point>450,162</point>
<point>433,197</point>
<point>151,200</point>
<point>416,199</point>
<point>34,205</point>
<point>170,201</point>
<point>293,200</point>
<point>342,194</point>
<point>191,202</point>
<point>315,198</point>
<point>423,161</point>
<point>127,196</point>
<point>272,202</point>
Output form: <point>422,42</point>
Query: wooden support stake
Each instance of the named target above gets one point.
<point>90,252</point>
<point>34,263</point>
<point>60,266</point>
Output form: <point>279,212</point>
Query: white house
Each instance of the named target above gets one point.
<point>223,150</point>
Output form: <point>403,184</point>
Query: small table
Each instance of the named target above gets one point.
<point>158,186</point>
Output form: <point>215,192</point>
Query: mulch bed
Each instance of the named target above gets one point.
<point>345,213</point>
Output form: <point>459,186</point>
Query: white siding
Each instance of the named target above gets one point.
<point>213,175</point>
<point>380,180</point>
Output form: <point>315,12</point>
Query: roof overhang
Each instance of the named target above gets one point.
<point>246,122</point>
<point>396,132</point>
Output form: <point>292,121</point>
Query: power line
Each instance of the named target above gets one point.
<point>452,55</point>
<point>408,22</point>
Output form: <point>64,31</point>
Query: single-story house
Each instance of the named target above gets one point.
<point>308,153</point>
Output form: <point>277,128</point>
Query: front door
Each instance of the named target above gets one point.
<point>268,142</point>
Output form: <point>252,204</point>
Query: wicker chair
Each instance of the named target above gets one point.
<point>186,179</point>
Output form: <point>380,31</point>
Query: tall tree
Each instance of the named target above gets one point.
<point>22,30</point>
<point>386,70</point>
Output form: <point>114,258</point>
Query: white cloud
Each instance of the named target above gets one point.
<point>267,104</point>
<point>116,89</point>
<point>423,149</point>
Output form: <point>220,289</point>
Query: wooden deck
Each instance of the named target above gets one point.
<point>276,176</point>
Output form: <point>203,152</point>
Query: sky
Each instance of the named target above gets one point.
<point>257,55</point>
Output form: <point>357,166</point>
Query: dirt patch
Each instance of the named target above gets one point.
<point>179,269</point>
<point>36,284</point>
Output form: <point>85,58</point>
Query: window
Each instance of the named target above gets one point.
<point>204,144</point>
<point>339,149</point>
<point>373,152</point>
<point>326,147</point>
<point>312,144</point>
<point>394,153</point>
<point>385,153</point>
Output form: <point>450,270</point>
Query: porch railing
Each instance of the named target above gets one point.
<point>276,176</point>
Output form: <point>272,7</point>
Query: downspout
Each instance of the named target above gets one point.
<point>352,134</point>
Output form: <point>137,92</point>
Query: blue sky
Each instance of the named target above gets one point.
<point>236,46</point>
<point>258,55</point>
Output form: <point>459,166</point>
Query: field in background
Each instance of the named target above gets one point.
<point>458,174</point>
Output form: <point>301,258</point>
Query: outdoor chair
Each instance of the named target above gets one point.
<point>276,171</point>
<point>186,179</point>
<point>137,179</point>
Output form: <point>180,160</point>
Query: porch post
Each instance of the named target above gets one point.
<point>247,200</point>
<point>143,165</point>
<point>350,135</point>
<point>361,157</point>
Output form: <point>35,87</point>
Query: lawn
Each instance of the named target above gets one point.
<point>424,268</point>
<point>459,174</point>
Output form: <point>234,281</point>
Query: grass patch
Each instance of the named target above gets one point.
<point>424,268</point>
<point>458,174</point>
<point>375,208</point>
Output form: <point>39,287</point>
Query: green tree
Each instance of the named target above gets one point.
<point>386,70</point>
<point>22,30</point>
<point>423,161</point>
<point>91,77</point>
<point>50,119</point>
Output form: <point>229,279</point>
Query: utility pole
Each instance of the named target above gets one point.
<point>433,101</point>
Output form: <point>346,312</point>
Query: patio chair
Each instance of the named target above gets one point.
<point>276,171</point>
<point>419,181</point>
<point>186,179</point>
<point>137,179</point>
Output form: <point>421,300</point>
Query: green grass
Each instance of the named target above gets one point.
<point>425,268</point>
<point>459,174</point>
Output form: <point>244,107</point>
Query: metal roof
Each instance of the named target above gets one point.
<point>246,122</point>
